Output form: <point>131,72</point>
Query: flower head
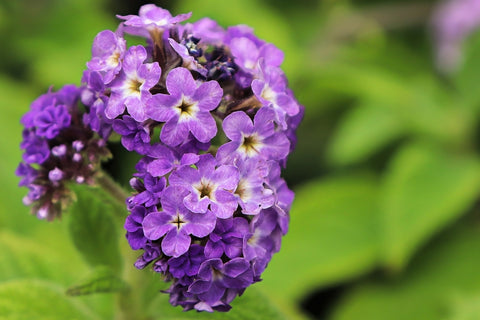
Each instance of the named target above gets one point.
<point>58,148</point>
<point>210,112</point>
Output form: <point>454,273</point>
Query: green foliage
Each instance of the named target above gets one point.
<point>424,189</point>
<point>31,299</point>
<point>433,283</point>
<point>25,257</point>
<point>320,248</point>
<point>465,308</point>
<point>362,131</point>
<point>100,280</point>
<point>93,228</point>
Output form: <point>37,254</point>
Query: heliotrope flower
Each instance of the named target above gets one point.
<point>131,89</point>
<point>58,147</point>
<point>211,114</point>
<point>186,108</point>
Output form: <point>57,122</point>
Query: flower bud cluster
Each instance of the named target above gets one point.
<point>59,148</point>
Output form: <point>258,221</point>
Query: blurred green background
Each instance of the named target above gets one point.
<point>386,220</point>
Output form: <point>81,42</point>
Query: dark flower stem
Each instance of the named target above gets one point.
<point>113,189</point>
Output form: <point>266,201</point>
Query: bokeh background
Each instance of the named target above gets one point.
<point>386,220</point>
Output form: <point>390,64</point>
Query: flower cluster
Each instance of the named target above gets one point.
<point>59,147</point>
<point>212,114</point>
<point>210,111</point>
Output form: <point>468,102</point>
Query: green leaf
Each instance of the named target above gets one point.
<point>425,188</point>
<point>14,101</point>
<point>30,257</point>
<point>100,280</point>
<point>60,53</point>
<point>93,228</point>
<point>468,74</point>
<point>252,305</point>
<point>465,307</point>
<point>420,102</point>
<point>445,269</point>
<point>363,131</point>
<point>32,299</point>
<point>332,237</point>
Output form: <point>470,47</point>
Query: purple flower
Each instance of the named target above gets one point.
<point>107,54</point>
<point>186,108</point>
<point>258,245</point>
<point>28,174</point>
<point>271,92</point>
<point>151,253</point>
<point>133,225</point>
<point>227,238</point>
<point>208,31</point>
<point>51,120</point>
<point>93,96</point>
<point>175,223</point>
<point>36,148</point>
<point>61,147</point>
<point>151,19</point>
<point>284,196</point>
<point>215,278</point>
<point>135,136</point>
<point>68,95</point>
<point>150,191</point>
<point>248,54</point>
<point>131,89</point>
<point>257,139</point>
<point>165,160</point>
<point>251,193</point>
<point>188,263</point>
<point>208,186</point>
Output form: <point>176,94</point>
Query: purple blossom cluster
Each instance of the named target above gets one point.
<point>59,147</point>
<point>453,21</point>
<point>210,112</point>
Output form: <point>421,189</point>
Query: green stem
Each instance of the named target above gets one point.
<point>128,301</point>
<point>113,189</point>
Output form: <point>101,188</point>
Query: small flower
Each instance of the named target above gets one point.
<point>134,135</point>
<point>177,223</point>
<point>151,19</point>
<point>251,192</point>
<point>164,160</point>
<point>133,225</point>
<point>216,278</point>
<point>186,109</point>
<point>209,186</point>
<point>272,92</point>
<point>187,264</point>
<point>131,89</point>
<point>227,238</point>
<point>253,139</point>
<point>107,54</point>
<point>51,120</point>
